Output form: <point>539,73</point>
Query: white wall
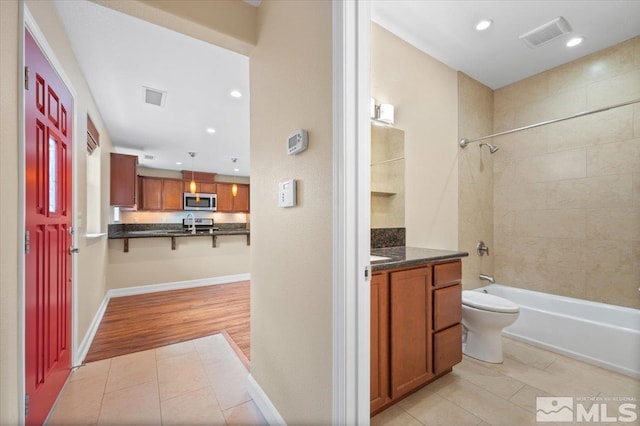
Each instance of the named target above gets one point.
<point>424,92</point>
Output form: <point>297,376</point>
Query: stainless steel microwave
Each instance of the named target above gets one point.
<point>201,202</point>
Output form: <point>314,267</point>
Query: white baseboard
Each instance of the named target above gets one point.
<point>264,404</point>
<point>83,349</point>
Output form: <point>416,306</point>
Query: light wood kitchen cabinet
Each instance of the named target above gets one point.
<point>416,330</point>
<point>160,194</point>
<point>123,182</point>
<point>379,365</point>
<point>228,203</point>
<point>411,329</point>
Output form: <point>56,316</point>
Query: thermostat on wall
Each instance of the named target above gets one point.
<point>297,142</point>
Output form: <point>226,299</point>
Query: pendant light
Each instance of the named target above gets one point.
<point>192,184</point>
<point>234,189</point>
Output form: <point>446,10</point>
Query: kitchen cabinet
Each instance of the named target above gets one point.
<point>201,187</point>
<point>160,193</point>
<point>379,365</point>
<point>123,182</point>
<point>228,203</point>
<point>416,330</point>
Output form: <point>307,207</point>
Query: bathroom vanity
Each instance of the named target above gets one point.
<point>416,312</point>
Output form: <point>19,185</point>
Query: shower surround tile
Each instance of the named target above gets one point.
<point>566,216</point>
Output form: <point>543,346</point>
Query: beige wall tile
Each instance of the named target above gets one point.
<point>623,88</point>
<point>608,126</point>
<point>544,168</point>
<point>636,120</point>
<point>570,223</point>
<point>601,191</point>
<point>614,158</point>
<point>557,105</point>
<point>532,196</point>
<point>525,143</point>
<point>614,224</point>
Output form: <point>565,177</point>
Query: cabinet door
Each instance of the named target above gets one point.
<point>445,274</point>
<point>447,348</point>
<point>172,194</point>
<point>150,193</point>
<point>206,188</point>
<point>411,346</point>
<point>225,197</point>
<point>123,189</point>
<point>241,200</point>
<point>379,392</point>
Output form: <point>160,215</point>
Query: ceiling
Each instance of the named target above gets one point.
<point>120,54</point>
<point>497,57</point>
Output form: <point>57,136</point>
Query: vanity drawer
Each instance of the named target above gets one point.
<point>447,348</point>
<point>445,274</point>
<point>447,306</point>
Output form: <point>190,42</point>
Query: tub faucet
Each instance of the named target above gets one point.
<point>489,278</point>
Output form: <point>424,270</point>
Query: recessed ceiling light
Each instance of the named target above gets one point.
<point>484,24</point>
<point>236,94</point>
<point>236,169</point>
<point>178,163</point>
<point>575,41</point>
<point>211,130</point>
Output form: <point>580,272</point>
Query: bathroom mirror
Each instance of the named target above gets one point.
<point>387,177</point>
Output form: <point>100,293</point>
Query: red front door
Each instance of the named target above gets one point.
<point>48,118</point>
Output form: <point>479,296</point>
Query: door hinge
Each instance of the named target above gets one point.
<point>366,273</point>
<point>26,406</point>
<point>26,78</point>
<point>27,243</point>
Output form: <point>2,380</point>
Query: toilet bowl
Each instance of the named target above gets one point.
<point>483,317</point>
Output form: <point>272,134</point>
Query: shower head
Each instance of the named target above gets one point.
<point>492,148</point>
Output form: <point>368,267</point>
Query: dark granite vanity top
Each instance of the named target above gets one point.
<point>401,257</point>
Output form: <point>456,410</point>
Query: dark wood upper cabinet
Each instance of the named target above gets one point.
<point>160,193</point>
<point>241,200</point>
<point>172,194</point>
<point>123,188</point>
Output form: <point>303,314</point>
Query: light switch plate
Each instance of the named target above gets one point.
<point>287,193</point>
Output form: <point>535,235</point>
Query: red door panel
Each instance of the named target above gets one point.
<point>48,109</point>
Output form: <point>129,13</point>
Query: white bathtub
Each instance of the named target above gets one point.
<point>597,333</point>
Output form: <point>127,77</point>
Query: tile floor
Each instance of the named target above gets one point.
<point>203,382</point>
<point>478,393</point>
<point>200,381</point>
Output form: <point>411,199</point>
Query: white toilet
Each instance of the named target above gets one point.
<point>483,317</point>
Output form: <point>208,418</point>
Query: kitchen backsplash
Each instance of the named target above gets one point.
<point>176,217</point>
<point>388,237</point>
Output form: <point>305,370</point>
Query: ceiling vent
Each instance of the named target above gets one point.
<point>547,32</point>
<point>148,157</point>
<point>154,96</point>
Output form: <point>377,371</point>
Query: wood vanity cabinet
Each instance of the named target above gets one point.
<point>123,182</point>
<point>160,193</point>
<point>416,331</point>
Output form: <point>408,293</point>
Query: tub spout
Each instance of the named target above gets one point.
<point>489,278</point>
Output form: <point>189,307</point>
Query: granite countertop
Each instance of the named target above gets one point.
<point>170,230</point>
<point>401,257</point>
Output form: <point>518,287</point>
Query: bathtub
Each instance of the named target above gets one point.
<point>604,335</point>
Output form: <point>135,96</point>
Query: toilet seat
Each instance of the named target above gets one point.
<point>488,302</point>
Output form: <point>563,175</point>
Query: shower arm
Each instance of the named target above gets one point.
<point>464,141</point>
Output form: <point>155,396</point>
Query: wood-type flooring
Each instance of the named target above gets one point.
<point>137,323</point>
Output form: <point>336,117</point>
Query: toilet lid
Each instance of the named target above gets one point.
<point>488,302</point>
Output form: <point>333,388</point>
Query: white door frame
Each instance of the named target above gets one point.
<point>29,22</point>
<point>351,212</point>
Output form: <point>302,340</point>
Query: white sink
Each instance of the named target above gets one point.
<point>373,258</point>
